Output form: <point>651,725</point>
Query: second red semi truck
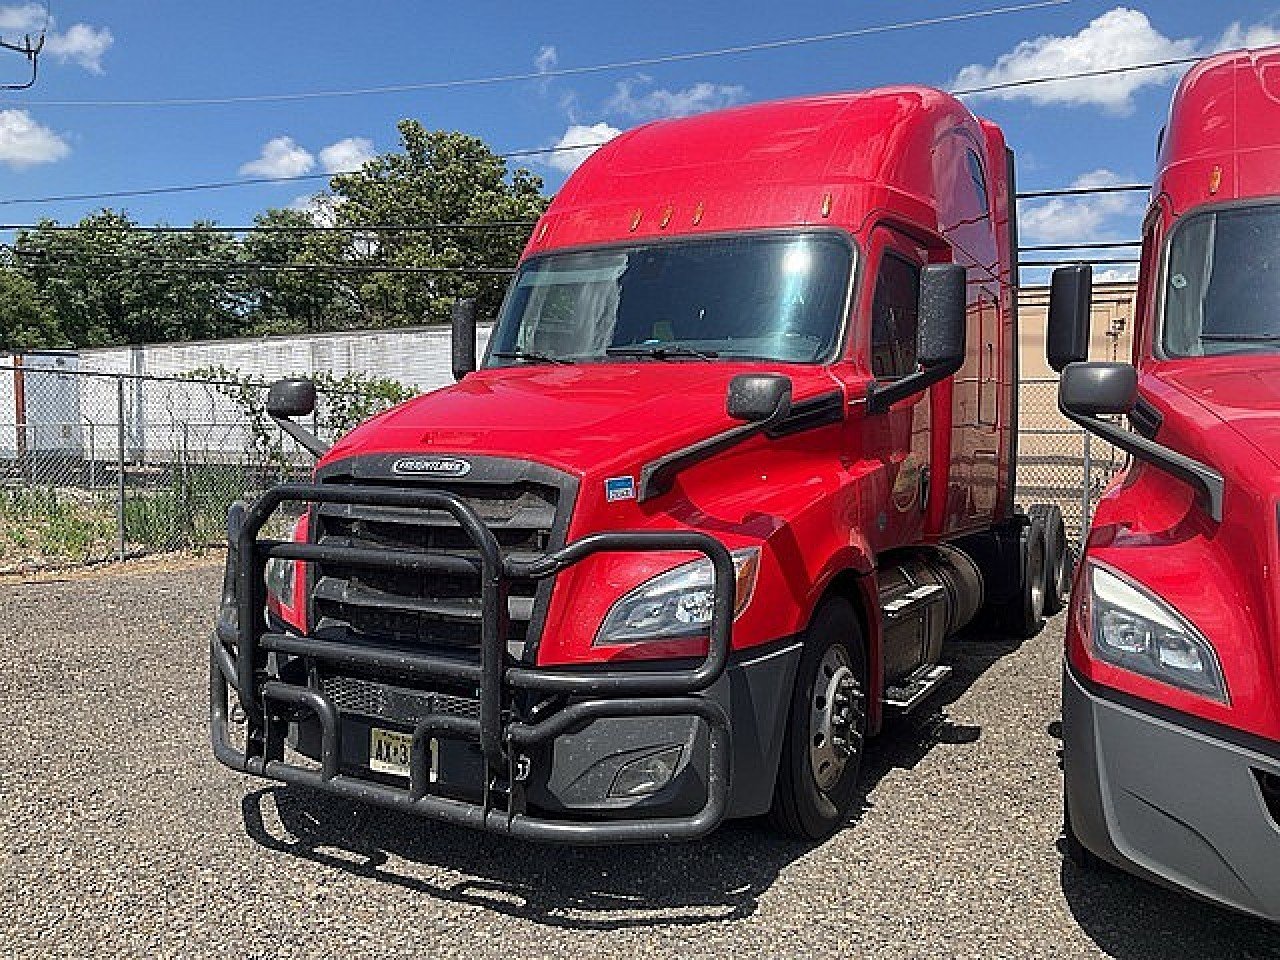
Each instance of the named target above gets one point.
<point>1171,693</point>
<point>740,457</point>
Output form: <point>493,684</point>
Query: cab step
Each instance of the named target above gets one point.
<point>905,696</point>
<point>912,601</point>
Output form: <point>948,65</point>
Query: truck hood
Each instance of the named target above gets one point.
<point>1242,392</point>
<point>581,418</point>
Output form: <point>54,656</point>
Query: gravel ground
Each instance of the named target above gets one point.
<point>120,835</point>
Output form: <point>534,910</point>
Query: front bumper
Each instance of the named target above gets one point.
<point>524,716</point>
<point>1182,807</point>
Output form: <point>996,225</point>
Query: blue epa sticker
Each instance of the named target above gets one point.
<point>619,488</point>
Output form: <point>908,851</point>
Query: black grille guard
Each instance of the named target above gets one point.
<point>239,648</point>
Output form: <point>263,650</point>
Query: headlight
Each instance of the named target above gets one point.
<point>281,577</point>
<point>677,603</point>
<point>282,580</point>
<point>1137,631</point>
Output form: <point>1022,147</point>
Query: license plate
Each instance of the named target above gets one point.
<point>389,751</point>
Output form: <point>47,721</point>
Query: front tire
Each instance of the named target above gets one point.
<point>826,727</point>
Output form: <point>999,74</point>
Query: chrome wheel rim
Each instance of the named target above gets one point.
<point>835,717</point>
<point>1035,570</point>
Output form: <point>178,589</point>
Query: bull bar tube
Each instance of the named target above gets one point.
<point>242,640</point>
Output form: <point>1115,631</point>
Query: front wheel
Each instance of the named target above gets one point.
<point>826,728</point>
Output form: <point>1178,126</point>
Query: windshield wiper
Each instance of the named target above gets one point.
<point>1241,337</point>
<point>532,356</point>
<point>660,351</point>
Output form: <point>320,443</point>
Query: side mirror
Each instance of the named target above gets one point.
<point>1088,392</point>
<point>943,309</point>
<point>940,336</point>
<point>1098,389</point>
<point>757,397</point>
<point>293,397</point>
<point>1070,304</point>
<point>464,337</point>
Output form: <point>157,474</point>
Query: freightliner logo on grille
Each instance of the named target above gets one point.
<point>432,466</point>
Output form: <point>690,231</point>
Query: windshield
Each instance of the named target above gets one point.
<point>769,297</point>
<point>1222,287</point>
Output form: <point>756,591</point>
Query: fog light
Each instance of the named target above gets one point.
<point>648,774</point>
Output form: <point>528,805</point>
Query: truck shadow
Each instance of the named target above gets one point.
<point>583,888</point>
<point>1132,919</point>
<point>717,879</point>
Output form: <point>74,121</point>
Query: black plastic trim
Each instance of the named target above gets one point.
<point>1209,728</point>
<point>1015,280</point>
<point>1146,419</point>
<point>1202,478</point>
<point>658,475</point>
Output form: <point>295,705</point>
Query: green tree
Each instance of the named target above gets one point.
<point>436,177</point>
<point>25,322</point>
<point>106,283</point>
<point>298,300</point>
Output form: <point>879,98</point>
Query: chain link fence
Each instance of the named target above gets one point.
<point>1058,462</point>
<point>104,466</point>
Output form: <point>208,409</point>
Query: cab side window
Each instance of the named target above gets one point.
<point>895,320</point>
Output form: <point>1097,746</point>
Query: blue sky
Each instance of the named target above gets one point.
<point>1090,131</point>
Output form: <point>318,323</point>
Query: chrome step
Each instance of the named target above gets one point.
<point>905,696</point>
<point>911,601</point>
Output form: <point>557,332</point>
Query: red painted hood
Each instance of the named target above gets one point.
<point>581,419</point>
<point>1242,392</point>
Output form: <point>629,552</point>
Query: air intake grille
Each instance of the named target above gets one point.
<point>439,609</point>
<point>355,695</point>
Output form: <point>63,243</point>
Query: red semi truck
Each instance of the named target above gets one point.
<point>1171,718</point>
<point>739,458</point>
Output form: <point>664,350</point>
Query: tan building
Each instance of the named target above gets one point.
<point>1111,328</point>
<point>1056,463</point>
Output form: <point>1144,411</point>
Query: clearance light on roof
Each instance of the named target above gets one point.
<point>697,215</point>
<point>1215,180</point>
<point>826,204</point>
<point>635,220</point>
<point>666,218</point>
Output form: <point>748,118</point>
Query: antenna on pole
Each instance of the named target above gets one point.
<point>30,50</point>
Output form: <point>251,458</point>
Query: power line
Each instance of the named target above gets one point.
<point>1083,191</point>
<point>1082,75</point>
<point>184,265</point>
<point>735,50</point>
<point>254,181</point>
<point>1069,262</point>
<point>188,188</point>
<point>1100,245</point>
<point>162,228</point>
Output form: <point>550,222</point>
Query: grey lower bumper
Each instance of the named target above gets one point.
<point>1171,804</point>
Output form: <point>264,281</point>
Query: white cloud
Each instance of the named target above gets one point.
<point>1116,38</point>
<point>25,143</point>
<point>280,157</point>
<point>630,99</point>
<point>321,207</point>
<point>1125,274</point>
<point>1080,219</point>
<point>22,18</point>
<point>1252,36</point>
<point>346,155</point>
<point>585,138</point>
<point>82,44</point>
